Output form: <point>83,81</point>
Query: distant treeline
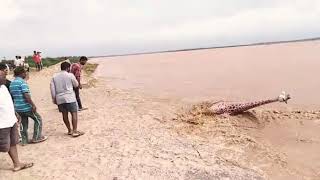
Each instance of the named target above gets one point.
<point>49,61</point>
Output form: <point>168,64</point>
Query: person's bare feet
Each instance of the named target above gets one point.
<point>22,166</point>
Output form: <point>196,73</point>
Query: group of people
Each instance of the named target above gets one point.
<point>17,106</point>
<point>37,60</point>
<point>21,61</point>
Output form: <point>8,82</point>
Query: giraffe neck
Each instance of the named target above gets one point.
<point>264,102</point>
<point>246,106</point>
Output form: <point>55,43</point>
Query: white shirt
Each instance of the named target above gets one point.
<point>61,87</point>
<point>7,113</point>
<point>17,62</point>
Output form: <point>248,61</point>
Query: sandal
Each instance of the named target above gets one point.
<point>24,166</point>
<point>43,138</point>
<point>77,134</point>
<point>82,109</point>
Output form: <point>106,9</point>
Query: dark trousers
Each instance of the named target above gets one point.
<point>76,91</point>
<point>37,132</point>
<point>39,66</point>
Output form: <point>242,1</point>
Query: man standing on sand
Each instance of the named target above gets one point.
<point>25,107</point>
<point>40,60</point>
<point>9,136</point>
<point>76,70</point>
<point>62,94</point>
<point>37,60</point>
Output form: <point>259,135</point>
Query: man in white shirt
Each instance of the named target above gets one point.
<point>62,93</point>
<point>9,136</point>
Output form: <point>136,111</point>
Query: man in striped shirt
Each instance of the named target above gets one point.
<point>25,107</point>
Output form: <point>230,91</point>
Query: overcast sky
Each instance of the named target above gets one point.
<point>102,27</point>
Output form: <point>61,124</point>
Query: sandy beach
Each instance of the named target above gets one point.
<point>144,119</point>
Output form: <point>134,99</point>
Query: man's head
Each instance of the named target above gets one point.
<point>2,78</point>
<point>4,68</point>
<point>20,72</point>
<point>83,60</point>
<point>65,66</point>
<point>34,52</point>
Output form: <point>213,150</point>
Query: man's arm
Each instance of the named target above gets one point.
<point>29,100</point>
<point>18,117</point>
<point>79,83</point>
<point>75,69</point>
<point>27,96</point>
<point>74,81</point>
<point>53,91</point>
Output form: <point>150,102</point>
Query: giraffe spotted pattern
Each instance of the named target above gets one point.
<point>236,108</point>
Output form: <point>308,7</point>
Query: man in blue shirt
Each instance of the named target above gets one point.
<point>25,107</point>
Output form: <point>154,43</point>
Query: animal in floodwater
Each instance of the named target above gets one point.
<point>236,108</point>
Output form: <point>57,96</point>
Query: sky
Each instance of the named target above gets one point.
<point>104,27</point>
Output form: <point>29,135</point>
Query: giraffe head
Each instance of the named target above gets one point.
<point>284,97</point>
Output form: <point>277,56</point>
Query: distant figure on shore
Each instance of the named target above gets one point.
<point>40,60</point>
<point>61,86</point>
<point>37,60</point>
<point>76,70</point>
<point>9,136</point>
<point>5,69</point>
<point>237,108</point>
<point>26,64</point>
<point>20,61</point>
<point>25,107</point>
<point>17,61</point>
<point>66,59</point>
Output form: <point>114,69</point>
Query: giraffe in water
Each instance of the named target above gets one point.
<point>236,108</point>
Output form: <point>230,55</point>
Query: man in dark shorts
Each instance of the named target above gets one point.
<point>61,86</point>
<point>9,136</point>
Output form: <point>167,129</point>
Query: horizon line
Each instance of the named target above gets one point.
<point>213,47</point>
